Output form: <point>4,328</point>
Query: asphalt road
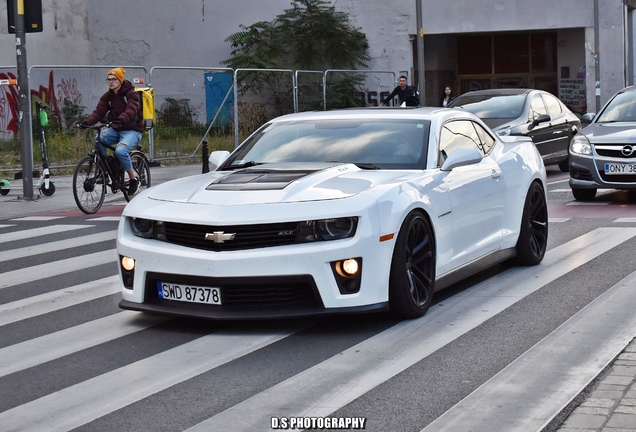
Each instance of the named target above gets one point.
<point>506,350</point>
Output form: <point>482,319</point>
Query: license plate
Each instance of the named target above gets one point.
<point>189,293</point>
<point>616,168</point>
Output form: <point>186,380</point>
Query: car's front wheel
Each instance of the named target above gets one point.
<point>533,235</point>
<point>412,278</point>
<point>584,194</point>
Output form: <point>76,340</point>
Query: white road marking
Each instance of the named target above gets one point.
<point>558,219</point>
<point>56,245</point>
<point>36,351</point>
<point>561,190</point>
<point>43,271</point>
<point>106,219</point>
<point>37,232</point>
<point>589,203</point>
<point>530,391</point>
<point>38,218</point>
<point>625,220</point>
<point>56,300</point>
<point>71,407</point>
<point>5,226</point>
<point>330,385</point>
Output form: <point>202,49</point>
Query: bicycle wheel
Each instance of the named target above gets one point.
<point>142,170</point>
<point>89,185</point>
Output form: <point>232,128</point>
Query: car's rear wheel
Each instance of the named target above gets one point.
<point>533,235</point>
<point>584,194</point>
<point>564,166</point>
<point>412,278</point>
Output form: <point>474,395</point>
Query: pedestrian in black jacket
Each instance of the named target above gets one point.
<point>408,95</point>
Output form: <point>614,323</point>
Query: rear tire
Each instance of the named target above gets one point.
<point>142,171</point>
<point>88,190</point>
<point>584,194</point>
<point>533,235</point>
<point>412,278</point>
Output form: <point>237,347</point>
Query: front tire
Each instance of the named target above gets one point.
<point>47,191</point>
<point>412,278</point>
<point>584,194</point>
<point>533,235</point>
<point>89,186</point>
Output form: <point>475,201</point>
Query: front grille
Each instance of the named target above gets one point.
<point>613,151</point>
<point>245,236</point>
<point>297,291</point>
<point>620,178</point>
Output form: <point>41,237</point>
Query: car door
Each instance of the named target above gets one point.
<point>559,139</point>
<point>477,194</point>
<point>540,133</point>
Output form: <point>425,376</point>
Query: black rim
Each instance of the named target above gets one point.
<point>538,223</point>
<point>419,262</point>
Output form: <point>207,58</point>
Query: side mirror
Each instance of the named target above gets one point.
<point>587,118</point>
<point>217,158</point>
<point>541,119</point>
<point>462,157</point>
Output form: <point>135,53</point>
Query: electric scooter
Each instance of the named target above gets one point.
<point>4,186</point>
<point>46,185</point>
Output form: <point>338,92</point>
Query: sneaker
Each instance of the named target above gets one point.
<point>133,186</point>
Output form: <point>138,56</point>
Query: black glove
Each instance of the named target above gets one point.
<point>82,125</point>
<point>117,123</point>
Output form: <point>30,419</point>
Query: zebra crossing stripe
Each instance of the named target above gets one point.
<point>38,232</point>
<point>42,271</point>
<point>55,246</point>
<point>330,385</point>
<point>64,342</point>
<point>70,408</point>
<point>56,300</point>
<point>532,390</point>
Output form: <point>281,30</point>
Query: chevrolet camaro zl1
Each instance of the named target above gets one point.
<point>356,210</point>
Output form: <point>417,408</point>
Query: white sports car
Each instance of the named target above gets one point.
<point>344,211</point>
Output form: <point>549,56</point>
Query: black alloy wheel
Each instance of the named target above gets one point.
<point>412,278</point>
<point>533,235</point>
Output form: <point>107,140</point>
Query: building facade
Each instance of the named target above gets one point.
<point>548,44</point>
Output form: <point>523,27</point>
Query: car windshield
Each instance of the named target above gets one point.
<point>369,143</point>
<point>621,109</point>
<point>492,106</point>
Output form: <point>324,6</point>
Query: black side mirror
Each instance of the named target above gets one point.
<point>541,119</point>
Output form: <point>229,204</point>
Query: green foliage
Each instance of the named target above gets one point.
<point>177,113</point>
<point>311,35</point>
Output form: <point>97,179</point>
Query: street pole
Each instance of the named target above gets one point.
<point>420,52</point>
<point>597,62</point>
<point>24,102</point>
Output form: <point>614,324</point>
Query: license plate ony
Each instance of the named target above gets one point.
<point>189,293</point>
<point>617,168</point>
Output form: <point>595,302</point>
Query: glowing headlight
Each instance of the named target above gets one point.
<point>581,145</point>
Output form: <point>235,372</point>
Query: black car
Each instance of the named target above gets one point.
<point>533,113</point>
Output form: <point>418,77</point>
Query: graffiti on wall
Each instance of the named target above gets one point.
<point>55,97</point>
<point>9,113</point>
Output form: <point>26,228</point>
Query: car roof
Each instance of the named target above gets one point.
<point>502,91</point>
<point>405,113</point>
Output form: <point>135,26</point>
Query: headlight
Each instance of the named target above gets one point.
<point>581,145</point>
<point>504,132</point>
<point>146,228</point>
<point>328,229</point>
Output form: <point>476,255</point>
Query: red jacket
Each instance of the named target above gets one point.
<point>125,106</point>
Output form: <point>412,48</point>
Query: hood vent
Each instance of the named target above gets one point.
<point>245,180</point>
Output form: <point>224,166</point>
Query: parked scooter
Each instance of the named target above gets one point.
<point>46,185</point>
<point>5,186</point>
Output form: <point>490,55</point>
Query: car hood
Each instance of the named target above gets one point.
<point>611,133</point>
<point>274,184</point>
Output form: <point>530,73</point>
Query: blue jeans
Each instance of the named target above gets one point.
<point>126,140</point>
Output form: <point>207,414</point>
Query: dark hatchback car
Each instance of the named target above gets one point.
<point>533,113</point>
<point>603,155</point>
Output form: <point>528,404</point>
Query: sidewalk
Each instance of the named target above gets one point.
<point>14,205</point>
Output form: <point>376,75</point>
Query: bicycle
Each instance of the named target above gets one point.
<point>94,173</point>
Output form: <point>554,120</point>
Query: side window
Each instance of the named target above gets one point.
<point>536,108</point>
<point>458,134</point>
<point>487,141</point>
<point>554,107</point>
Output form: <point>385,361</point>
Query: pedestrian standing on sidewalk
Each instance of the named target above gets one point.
<point>448,96</point>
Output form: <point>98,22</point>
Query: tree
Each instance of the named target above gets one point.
<point>311,35</point>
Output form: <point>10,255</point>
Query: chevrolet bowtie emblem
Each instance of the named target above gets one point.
<point>219,236</point>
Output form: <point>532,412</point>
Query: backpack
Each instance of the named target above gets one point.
<point>146,110</point>
<point>414,99</point>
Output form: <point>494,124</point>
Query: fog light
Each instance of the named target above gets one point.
<point>127,263</point>
<point>350,267</point>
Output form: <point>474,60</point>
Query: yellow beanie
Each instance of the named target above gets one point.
<point>119,73</point>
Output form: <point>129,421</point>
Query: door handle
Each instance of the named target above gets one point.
<point>495,174</point>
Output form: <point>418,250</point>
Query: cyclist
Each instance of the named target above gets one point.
<point>122,104</point>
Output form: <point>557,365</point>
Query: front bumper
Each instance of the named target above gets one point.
<point>588,172</point>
